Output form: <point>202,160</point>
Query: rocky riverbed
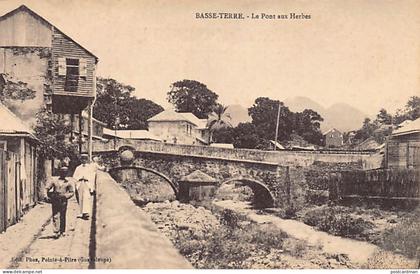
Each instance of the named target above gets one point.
<point>218,238</point>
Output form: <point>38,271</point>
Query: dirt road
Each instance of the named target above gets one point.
<point>39,249</point>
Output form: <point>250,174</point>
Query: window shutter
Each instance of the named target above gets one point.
<point>82,67</point>
<point>62,66</point>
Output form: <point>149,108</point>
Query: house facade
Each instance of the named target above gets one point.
<point>179,128</point>
<point>19,185</point>
<point>333,138</point>
<point>403,147</point>
<point>60,71</point>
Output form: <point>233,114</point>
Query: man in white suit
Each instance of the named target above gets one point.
<point>85,175</point>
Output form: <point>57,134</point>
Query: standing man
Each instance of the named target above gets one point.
<point>59,190</point>
<point>85,175</point>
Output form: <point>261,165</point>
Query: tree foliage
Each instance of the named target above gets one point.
<point>51,130</point>
<point>383,117</point>
<point>382,126</point>
<point>412,108</point>
<point>192,96</point>
<point>307,125</point>
<point>264,117</point>
<point>218,119</point>
<point>262,129</point>
<point>118,108</point>
<point>244,135</point>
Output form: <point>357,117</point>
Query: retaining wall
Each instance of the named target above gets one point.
<point>127,235</point>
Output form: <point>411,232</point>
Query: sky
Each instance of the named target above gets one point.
<point>365,53</point>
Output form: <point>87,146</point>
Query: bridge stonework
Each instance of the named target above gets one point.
<point>273,176</point>
<point>282,176</point>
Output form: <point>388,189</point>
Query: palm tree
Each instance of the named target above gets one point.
<point>218,119</point>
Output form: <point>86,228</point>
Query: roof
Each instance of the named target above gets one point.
<point>331,129</point>
<point>303,148</point>
<point>198,177</point>
<point>408,128</point>
<point>171,115</point>
<point>369,143</point>
<point>86,115</point>
<point>201,140</point>
<point>25,8</point>
<point>13,125</point>
<point>279,146</point>
<point>131,134</point>
<point>200,123</point>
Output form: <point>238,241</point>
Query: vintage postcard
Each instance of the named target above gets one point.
<point>192,134</point>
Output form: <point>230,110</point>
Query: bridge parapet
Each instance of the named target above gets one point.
<point>368,160</point>
<point>126,235</point>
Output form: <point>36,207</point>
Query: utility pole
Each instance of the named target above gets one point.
<point>277,127</point>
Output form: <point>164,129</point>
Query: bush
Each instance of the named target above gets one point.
<point>338,221</point>
<point>229,218</point>
<point>296,248</point>
<point>266,237</point>
<point>225,247</point>
<point>403,238</point>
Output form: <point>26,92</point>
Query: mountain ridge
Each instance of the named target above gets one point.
<point>341,115</point>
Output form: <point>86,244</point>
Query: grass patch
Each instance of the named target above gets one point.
<point>338,221</point>
<point>404,238</point>
<point>230,245</point>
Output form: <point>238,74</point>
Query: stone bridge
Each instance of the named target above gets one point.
<point>267,173</point>
<point>267,180</point>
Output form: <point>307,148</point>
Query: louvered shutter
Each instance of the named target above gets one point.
<point>82,67</point>
<point>62,66</point>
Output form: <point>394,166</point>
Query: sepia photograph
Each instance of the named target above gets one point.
<point>195,134</point>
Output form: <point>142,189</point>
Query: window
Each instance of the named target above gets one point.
<point>72,75</point>
<point>73,69</point>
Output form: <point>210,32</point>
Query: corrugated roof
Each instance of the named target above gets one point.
<point>11,124</point>
<point>408,127</point>
<point>198,177</point>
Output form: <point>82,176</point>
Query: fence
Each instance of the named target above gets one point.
<point>385,184</point>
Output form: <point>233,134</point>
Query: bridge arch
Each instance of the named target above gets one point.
<point>262,194</point>
<point>163,176</point>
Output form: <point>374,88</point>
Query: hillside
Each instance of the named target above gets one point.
<point>239,114</point>
<point>342,116</point>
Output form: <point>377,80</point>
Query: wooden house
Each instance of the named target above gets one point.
<point>19,186</point>
<point>403,147</point>
<point>60,70</point>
